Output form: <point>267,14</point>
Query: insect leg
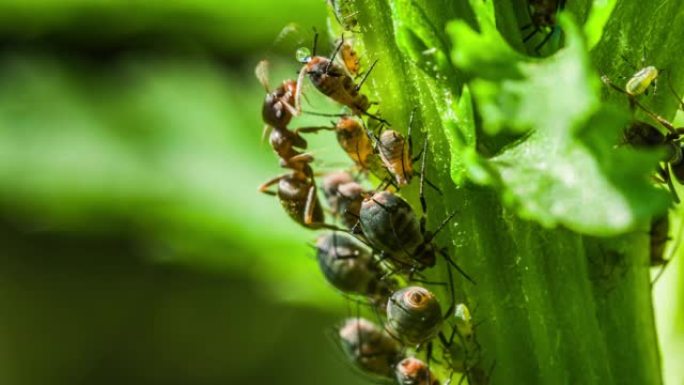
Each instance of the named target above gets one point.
<point>310,205</point>
<point>298,92</point>
<point>264,186</point>
<point>531,34</point>
<point>457,267</point>
<point>312,130</point>
<point>452,293</point>
<point>548,36</point>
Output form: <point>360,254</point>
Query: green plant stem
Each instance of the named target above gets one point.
<point>552,306</point>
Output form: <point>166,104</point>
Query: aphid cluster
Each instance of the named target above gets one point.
<point>643,135</point>
<point>377,247</point>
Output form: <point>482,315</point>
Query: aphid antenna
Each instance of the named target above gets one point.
<point>329,115</point>
<point>674,92</point>
<point>365,76</point>
<point>456,266</point>
<point>673,253</point>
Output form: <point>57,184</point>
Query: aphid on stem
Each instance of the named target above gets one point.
<point>412,371</point>
<point>332,81</point>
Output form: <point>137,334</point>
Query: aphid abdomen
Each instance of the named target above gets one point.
<point>412,371</point>
<point>413,315</point>
<point>640,81</point>
<point>293,193</point>
<point>354,141</point>
<point>390,224</point>
<point>347,264</point>
<point>394,151</point>
<point>369,347</point>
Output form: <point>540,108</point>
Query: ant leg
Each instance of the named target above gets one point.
<point>310,205</point>
<point>526,27</point>
<point>266,132</point>
<point>365,76</point>
<point>298,92</point>
<point>312,130</point>
<point>457,267</point>
<point>264,186</point>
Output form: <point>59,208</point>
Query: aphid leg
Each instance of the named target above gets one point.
<point>452,293</point>
<point>531,35</point>
<point>457,267</point>
<point>667,177</point>
<point>333,55</point>
<point>365,76</point>
<point>423,203</point>
<point>548,36</point>
<point>674,92</point>
<point>264,186</point>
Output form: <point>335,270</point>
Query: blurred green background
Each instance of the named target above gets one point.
<point>134,247</point>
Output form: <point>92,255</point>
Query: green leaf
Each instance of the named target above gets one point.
<point>565,171</point>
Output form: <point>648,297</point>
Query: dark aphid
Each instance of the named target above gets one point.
<point>414,315</point>
<point>369,347</point>
<point>542,19</point>
<point>297,194</point>
<point>659,235</point>
<point>344,13</point>
<point>349,266</point>
<point>412,371</point>
<point>389,223</point>
<point>344,196</point>
<point>332,81</point>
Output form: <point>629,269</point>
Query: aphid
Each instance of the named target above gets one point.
<point>297,194</point>
<point>659,235</point>
<point>412,371</point>
<point>461,348</point>
<point>395,152</point>
<point>414,315</point>
<point>344,13</point>
<point>344,196</point>
<point>349,266</point>
<point>349,58</point>
<point>542,19</point>
<point>369,347</point>
<point>353,138</point>
<point>277,112</point>
<point>332,81</point>
<point>389,223</point>
<point>641,81</point>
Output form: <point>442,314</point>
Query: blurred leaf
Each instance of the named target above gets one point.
<point>565,171</point>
